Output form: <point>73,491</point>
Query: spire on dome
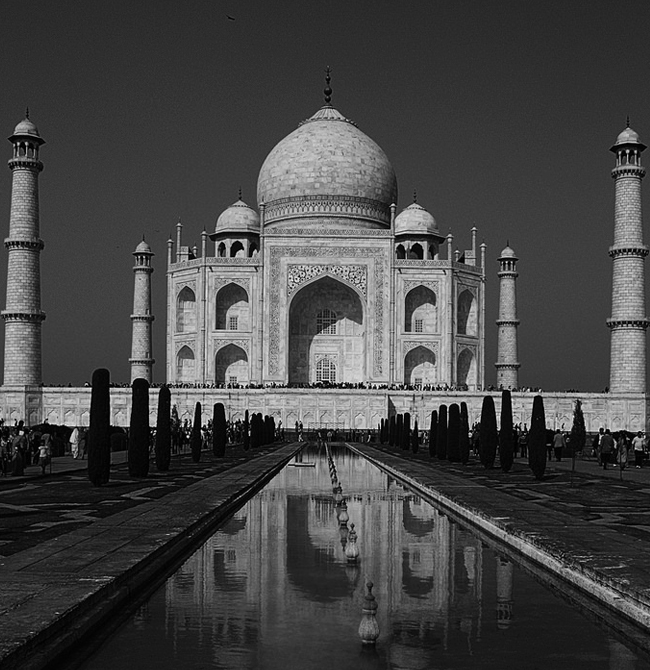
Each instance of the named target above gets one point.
<point>415,196</point>
<point>328,88</point>
<point>627,121</point>
<point>240,192</point>
<point>26,112</point>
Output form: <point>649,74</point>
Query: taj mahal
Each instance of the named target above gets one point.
<point>324,302</point>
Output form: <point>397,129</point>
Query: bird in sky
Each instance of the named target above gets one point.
<point>230,18</point>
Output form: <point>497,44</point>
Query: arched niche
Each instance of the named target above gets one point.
<point>231,365</point>
<point>400,252</point>
<point>416,252</point>
<point>466,367</point>
<point>186,311</point>
<point>420,311</point>
<point>420,366</point>
<point>185,365</point>
<point>232,308</point>
<point>326,319</point>
<point>221,250</point>
<point>467,322</point>
<point>237,250</point>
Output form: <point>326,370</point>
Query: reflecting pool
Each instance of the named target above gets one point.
<point>273,589</point>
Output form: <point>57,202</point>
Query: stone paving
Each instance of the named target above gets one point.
<point>70,553</point>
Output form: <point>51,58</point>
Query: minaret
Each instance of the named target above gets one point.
<point>628,323</point>
<point>141,343</point>
<point>507,364</point>
<point>23,315</point>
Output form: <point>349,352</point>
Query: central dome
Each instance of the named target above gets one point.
<point>327,167</point>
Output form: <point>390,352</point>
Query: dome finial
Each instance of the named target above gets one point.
<point>240,192</point>
<point>328,88</point>
<point>627,121</point>
<point>415,196</point>
<point>26,112</point>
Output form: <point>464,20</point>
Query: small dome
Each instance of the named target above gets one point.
<point>628,136</point>
<point>143,248</point>
<point>327,167</point>
<point>508,252</point>
<point>415,220</point>
<point>238,218</point>
<point>26,127</point>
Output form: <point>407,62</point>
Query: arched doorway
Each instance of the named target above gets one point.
<point>232,308</point>
<point>420,366</point>
<point>420,313</point>
<point>467,316</point>
<point>185,365</point>
<point>466,368</point>
<point>231,365</point>
<point>326,334</point>
<point>186,311</point>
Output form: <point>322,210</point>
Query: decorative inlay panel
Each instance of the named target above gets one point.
<point>178,345</point>
<point>244,282</point>
<point>410,284</point>
<point>320,231</point>
<point>191,284</point>
<point>220,344</point>
<point>413,344</point>
<point>356,275</point>
<point>375,255</point>
<point>317,205</point>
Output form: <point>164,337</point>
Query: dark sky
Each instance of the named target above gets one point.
<point>500,114</point>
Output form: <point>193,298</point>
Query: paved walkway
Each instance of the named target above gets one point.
<point>70,552</point>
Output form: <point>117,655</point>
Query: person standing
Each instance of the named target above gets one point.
<point>638,444</point>
<point>622,445</point>
<point>559,443</point>
<point>44,451</point>
<point>606,448</point>
<point>74,443</point>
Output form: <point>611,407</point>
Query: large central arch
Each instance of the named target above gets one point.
<point>327,337</point>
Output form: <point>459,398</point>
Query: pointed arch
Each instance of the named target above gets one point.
<point>466,367</point>
<point>420,311</point>
<point>185,365</point>
<point>467,321</point>
<point>400,252</point>
<point>231,365</point>
<point>186,311</point>
<point>237,249</point>
<point>420,366</point>
<point>326,319</point>
<point>232,308</point>
<point>416,252</point>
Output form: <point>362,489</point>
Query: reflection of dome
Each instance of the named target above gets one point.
<point>239,217</point>
<point>327,166</point>
<point>415,220</point>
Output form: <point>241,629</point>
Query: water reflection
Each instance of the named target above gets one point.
<point>274,589</point>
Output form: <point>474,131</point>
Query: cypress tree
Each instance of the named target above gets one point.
<point>433,433</point>
<point>506,433</point>
<point>164,430</point>
<point>453,433</point>
<point>399,426</point>
<point>488,435</point>
<point>537,439</point>
<point>139,434</point>
<point>415,438</point>
<point>247,442</point>
<point>405,437</point>
<point>219,430</point>
<point>441,436</point>
<point>391,431</point>
<point>255,431</point>
<point>195,435</point>
<point>463,439</point>
<point>99,432</point>
<point>578,435</point>
<point>382,433</point>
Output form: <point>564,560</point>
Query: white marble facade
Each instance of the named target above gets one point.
<point>325,282</point>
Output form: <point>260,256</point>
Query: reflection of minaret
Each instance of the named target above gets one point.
<point>141,343</point>
<point>507,364</point>
<point>23,315</point>
<point>628,323</point>
<point>504,592</point>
